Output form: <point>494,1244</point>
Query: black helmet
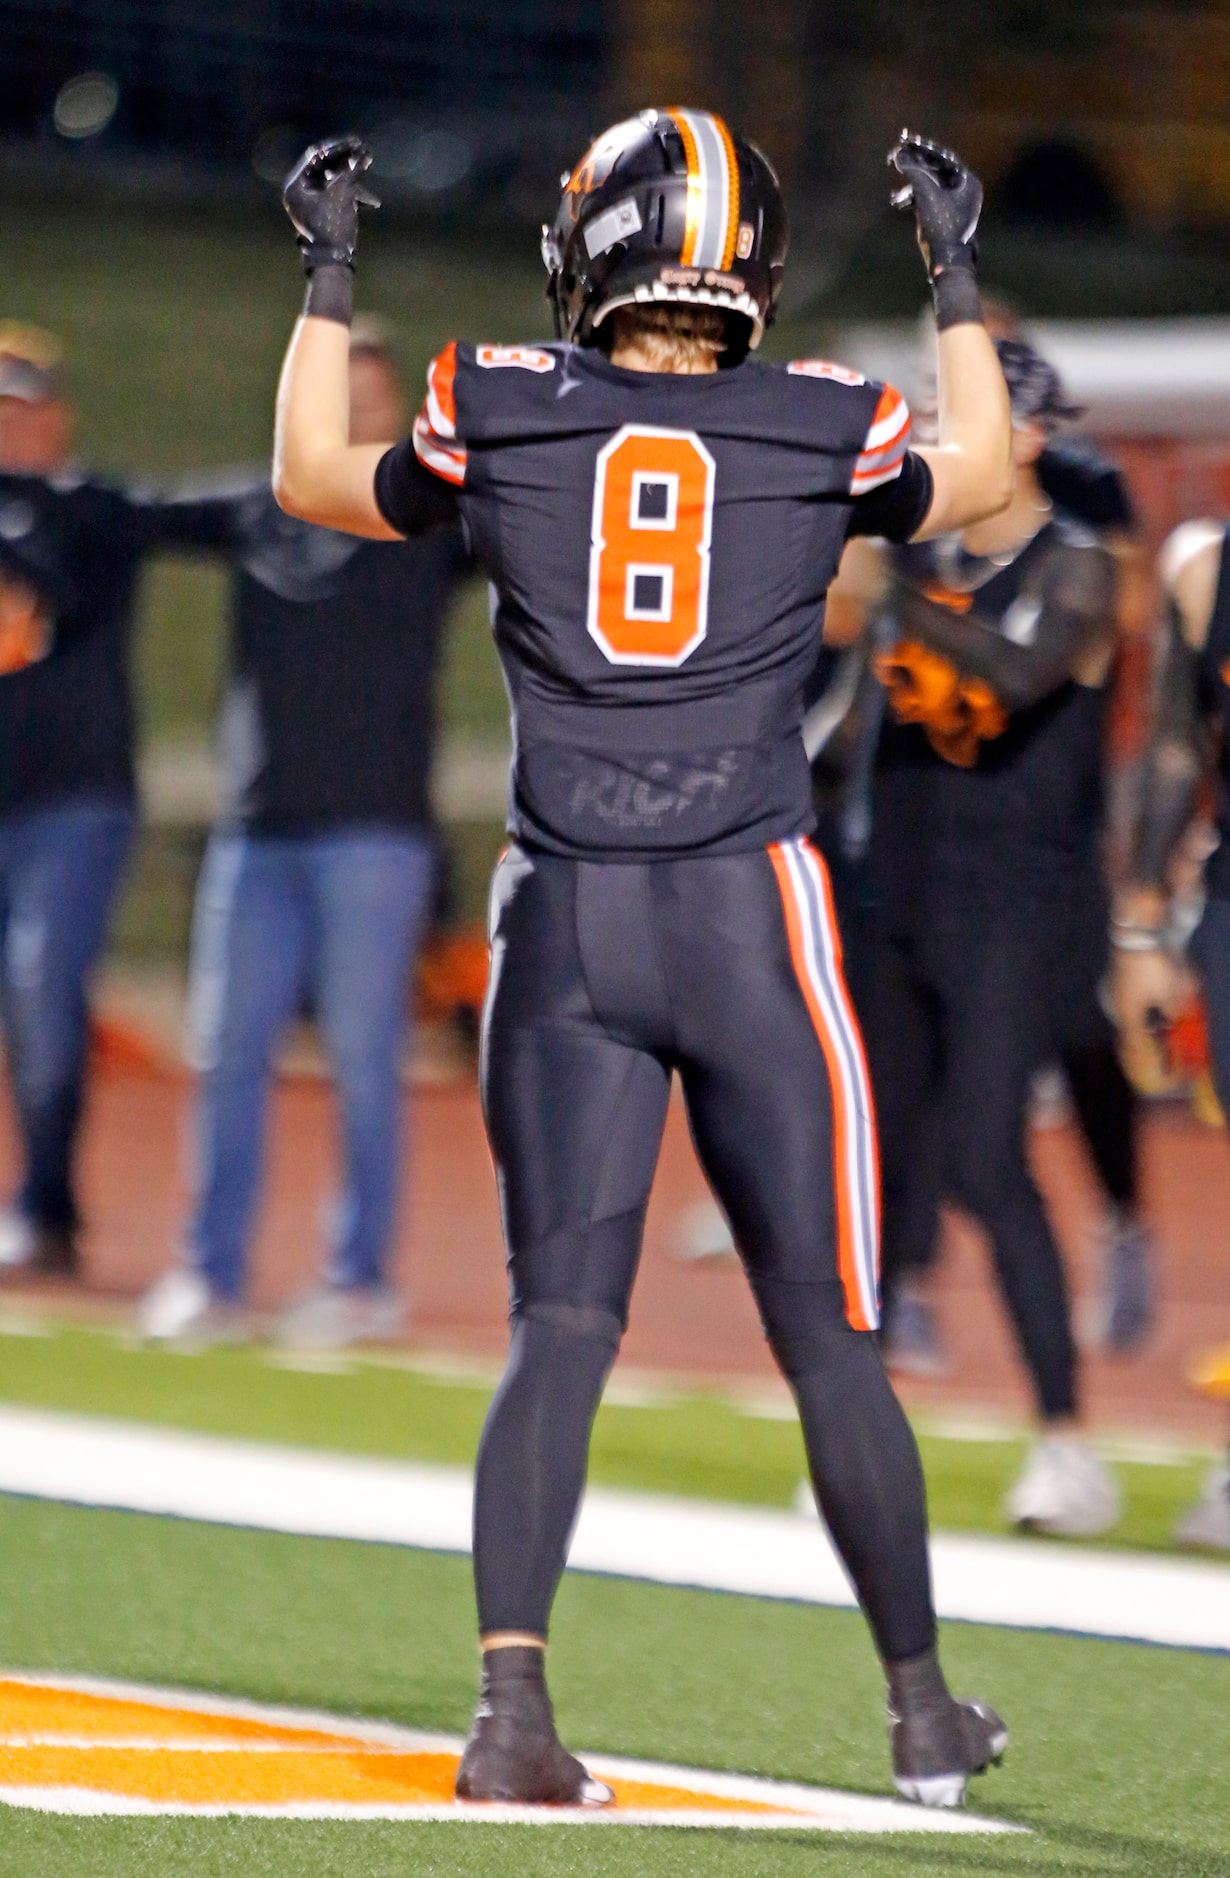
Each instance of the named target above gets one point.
<point>668,207</point>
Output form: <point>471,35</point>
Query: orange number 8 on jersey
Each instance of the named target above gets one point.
<point>649,558</point>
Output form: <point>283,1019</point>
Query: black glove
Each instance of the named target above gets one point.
<point>947,200</point>
<point>323,195</point>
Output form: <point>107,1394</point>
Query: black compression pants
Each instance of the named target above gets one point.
<point>958,1017</point>
<point>605,979</point>
<point>1086,1043</point>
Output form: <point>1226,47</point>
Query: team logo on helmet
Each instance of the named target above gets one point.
<point>596,165</point>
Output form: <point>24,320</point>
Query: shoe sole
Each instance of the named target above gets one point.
<point>948,1790</point>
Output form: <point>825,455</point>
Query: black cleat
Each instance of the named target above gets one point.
<point>937,1741</point>
<point>513,1753</point>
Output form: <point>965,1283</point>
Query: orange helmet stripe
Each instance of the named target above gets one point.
<point>695,203</point>
<point>712,215</point>
<point>732,192</point>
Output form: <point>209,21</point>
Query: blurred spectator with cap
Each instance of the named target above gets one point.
<point>318,881</point>
<point>70,550</point>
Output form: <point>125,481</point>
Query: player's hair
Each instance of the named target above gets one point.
<point>673,338</point>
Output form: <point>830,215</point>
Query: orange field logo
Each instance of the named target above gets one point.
<point>87,1747</point>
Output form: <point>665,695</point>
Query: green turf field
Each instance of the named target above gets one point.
<point>1118,1761</point>
<point>692,1444</point>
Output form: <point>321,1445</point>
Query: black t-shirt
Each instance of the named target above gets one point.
<point>70,548</point>
<point>1030,808</point>
<point>329,713</point>
<point>660,548</point>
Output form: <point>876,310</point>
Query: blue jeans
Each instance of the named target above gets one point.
<point>341,915</point>
<point>60,867</point>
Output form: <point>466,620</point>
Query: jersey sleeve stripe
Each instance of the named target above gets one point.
<point>444,460</point>
<point>879,466</point>
<point>441,407</point>
<point>887,424</point>
<point>885,445</point>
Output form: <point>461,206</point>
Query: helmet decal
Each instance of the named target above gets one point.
<point>713,189</point>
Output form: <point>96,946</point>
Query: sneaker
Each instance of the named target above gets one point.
<point>513,1752</point>
<point>1207,1524</point>
<point>181,1309</point>
<point>30,1250</point>
<point>1065,1489</point>
<point>1127,1311</point>
<point>937,1742</point>
<point>704,1233</point>
<point>334,1317</point>
<point>16,1238</point>
<point>910,1344</point>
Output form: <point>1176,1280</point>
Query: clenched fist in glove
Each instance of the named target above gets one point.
<point>323,195</point>
<point>946,198</point>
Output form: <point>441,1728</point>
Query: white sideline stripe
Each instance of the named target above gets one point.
<point>804,1808</point>
<point>1023,1583</point>
<point>846,1813</point>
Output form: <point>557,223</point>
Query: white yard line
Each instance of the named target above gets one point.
<point>688,1802</point>
<point>1025,1583</point>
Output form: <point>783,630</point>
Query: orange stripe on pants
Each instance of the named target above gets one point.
<point>857,1034</point>
<point>844,1199</point>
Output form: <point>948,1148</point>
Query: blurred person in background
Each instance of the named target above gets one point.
<point>1081,482</point>
<point>318,880</point>
<point>983,843</point>
<point>1084,484</point>
<point>70,550</point>
<point>1189,746</point>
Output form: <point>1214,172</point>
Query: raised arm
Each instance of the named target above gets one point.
<point>971,465</point>
<point>318,474</point>
<point>1069,607</point>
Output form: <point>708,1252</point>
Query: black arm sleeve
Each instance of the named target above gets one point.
<point>897,510</point>
<point>1073,591</point>
<point>1172,763</point>
<point>199,516</point>
<point>410,497</point>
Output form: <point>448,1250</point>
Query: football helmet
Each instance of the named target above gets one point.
<point>668,207</point>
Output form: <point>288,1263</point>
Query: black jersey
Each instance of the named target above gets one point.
<point>69,552</point>
<point>659,548</point>
<point>1031,805</point>
<point>1215,696</point>
<point>329,713</point>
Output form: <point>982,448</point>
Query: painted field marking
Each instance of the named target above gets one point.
<point>83,1746</point>
<point>1026,1584</point>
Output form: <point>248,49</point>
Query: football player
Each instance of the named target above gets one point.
<point>983,861</point>
<point>660,515</point>
<point>1192,698</point>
